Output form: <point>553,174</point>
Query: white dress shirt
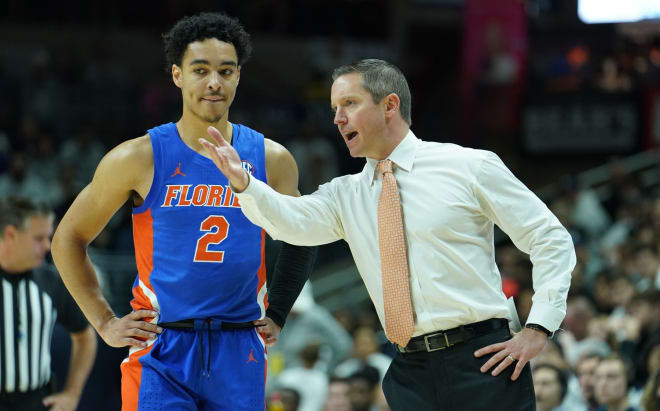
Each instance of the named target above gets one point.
<point>451,196</point>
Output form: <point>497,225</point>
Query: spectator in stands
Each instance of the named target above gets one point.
<point>579,313</point>
<point>649,359</point>
<point>611,384</point>
<point>514,268</point>
<point>347,318</point>
<point>309,382</point>
<point>625,188</point>
<point>363,392</point>
<point>550,386</point>
<point>365,352</point>
<point>647,267</point>
<point>309,321</point>
<point>585,209</point>
<point>638,330</point>
<point>604,284</point>
<point>338,398</point>
<point>651,396</point>
<point>585,370</point>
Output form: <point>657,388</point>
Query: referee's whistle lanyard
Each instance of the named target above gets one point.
<point>201,325</point>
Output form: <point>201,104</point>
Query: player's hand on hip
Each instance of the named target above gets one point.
<point>517,351</point>
<point>226,158</point>
<point>132,329</point>
<point>268,330</point>
<point>61,401</point>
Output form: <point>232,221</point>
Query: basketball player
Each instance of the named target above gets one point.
<point>201,285</point>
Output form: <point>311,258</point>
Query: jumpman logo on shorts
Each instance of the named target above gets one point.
<point>177,172</point>
<point>251,358</point>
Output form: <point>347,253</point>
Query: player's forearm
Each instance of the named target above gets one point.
<point>79,276</point>
<point>83,353</point>
<point>292,269</point>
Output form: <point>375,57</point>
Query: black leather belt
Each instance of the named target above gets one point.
<point>445,339</point>
<point>207,324</point>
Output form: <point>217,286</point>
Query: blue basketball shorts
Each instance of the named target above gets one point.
<point>196,370</point>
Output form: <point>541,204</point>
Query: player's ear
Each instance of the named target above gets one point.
<point>238,75</point>
<point>176,75</point>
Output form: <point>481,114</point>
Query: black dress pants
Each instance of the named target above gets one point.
<point>450,380</point>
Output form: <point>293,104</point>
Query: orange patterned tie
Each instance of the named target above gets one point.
<point>399,321</point>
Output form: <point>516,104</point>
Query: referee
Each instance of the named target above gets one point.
<point>31,301</point>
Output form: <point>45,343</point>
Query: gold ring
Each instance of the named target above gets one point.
<point>511,358</point>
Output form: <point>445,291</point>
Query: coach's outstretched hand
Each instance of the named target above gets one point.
<point>120,332</point>
<point>226,158</point>
<point>268,330</point>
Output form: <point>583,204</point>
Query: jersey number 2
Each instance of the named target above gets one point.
<point>216,227</point>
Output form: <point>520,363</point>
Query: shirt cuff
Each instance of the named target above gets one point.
<point>253,190</point>
<point>247,188</point>
<point>546,315</point>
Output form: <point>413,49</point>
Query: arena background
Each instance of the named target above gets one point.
<point>572,108</point>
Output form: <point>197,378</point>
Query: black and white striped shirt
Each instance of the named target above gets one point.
<point>30,303</point>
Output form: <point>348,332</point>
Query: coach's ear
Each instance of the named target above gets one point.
<point>176,75</point>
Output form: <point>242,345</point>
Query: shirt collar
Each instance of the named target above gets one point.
<point>14,277</point>
<point>403,156</point>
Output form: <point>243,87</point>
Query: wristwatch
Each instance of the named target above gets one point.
<point>539,328</point>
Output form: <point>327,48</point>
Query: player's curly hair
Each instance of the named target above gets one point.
<point>205,26</point>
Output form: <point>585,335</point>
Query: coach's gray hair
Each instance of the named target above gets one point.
<point>381,78</point>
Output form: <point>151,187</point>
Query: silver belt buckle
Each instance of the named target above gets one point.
<point>428,346</point>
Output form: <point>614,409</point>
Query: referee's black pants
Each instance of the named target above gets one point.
<point>450,380</point>
<point>25,401</point>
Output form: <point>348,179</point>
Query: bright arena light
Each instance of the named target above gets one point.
<point>617,11</point>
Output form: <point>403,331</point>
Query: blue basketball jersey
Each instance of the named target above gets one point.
<point>197,255</point>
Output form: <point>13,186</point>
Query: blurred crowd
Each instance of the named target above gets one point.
<point>624,64</point>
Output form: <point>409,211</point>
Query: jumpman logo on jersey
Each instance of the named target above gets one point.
<point>177,172</point>
<point>251,357</point>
